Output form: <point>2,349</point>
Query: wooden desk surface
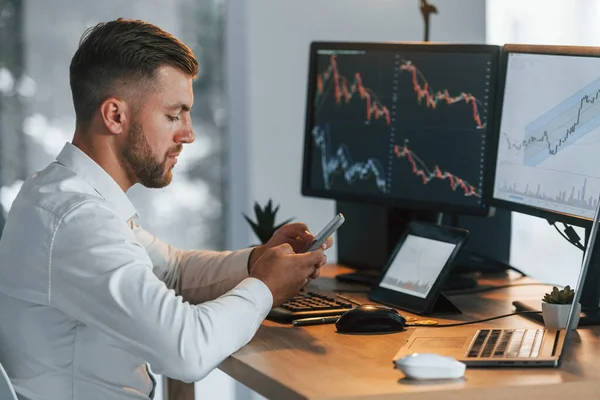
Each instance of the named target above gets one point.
<point>316,362</point>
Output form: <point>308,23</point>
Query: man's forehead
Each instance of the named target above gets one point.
<point>174,88</point>
<point>170,74</point>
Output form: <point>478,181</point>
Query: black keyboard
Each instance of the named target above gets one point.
<point>309,304</point>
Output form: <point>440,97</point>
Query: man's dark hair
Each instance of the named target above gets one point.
<point>121,54</point>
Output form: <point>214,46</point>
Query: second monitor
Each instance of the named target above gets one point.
<point>548,132</point>
<point>400,125</point>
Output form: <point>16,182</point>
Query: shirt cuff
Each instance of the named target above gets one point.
<point>263,298</point>
<point>239,263</point>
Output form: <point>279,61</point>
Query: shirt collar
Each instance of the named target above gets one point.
<point>76,160</point>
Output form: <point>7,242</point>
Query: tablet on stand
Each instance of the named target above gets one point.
<point>418,266</point>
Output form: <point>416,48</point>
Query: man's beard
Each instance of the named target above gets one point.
<point>140,162</point>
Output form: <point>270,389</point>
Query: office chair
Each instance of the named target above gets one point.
<point>7,392</point>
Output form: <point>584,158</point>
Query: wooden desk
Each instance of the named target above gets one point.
<point>315,362</point>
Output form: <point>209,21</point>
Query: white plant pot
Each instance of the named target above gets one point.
<point>556,315</point>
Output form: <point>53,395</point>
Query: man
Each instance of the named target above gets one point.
<point>87,297</point>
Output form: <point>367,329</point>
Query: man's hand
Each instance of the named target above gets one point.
<point>284,271</point>
<point>297,236</point>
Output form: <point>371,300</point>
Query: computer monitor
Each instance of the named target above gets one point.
<point>548,136</point>
<point>400,131</point>
<point>403,125</point>
<point>548,140</point>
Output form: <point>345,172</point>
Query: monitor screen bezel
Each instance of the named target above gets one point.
<point>307,190</point>
<point>554,216</point>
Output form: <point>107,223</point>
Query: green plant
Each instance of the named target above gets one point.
<point>564,296</point>
<point>265,227</point>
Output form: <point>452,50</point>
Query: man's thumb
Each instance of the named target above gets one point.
<point>311,258</point>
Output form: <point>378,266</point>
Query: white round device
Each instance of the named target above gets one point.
<point>430,366</point>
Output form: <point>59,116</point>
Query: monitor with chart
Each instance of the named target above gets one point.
<point>549,132</point>
<point>401,124</point>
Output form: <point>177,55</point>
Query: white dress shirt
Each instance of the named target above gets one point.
<point>87,297</point>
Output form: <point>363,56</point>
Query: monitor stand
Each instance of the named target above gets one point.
<point>590,295</point>
<point>368,278</point>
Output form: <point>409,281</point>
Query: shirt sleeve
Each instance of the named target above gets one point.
<point>102,276</point>
<point>197,275</point>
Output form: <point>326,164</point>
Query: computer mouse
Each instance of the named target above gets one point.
<point>430,366</point>
<point>370,318</point>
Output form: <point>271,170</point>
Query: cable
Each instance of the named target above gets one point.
<point>492,288</point>
<point>569,235</point>
<point>576,244</point>
<point>523,274</point>
<point>474,322</point>
<point>479,258</point>
<point>570,232</point>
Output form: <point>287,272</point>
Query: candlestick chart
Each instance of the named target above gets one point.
<point>430,98</point>
<point>430,173</point>
<point>405,126</point>
<point>346,89</point>
<point>444,173</point>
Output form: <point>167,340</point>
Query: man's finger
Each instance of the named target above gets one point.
<point>295,229</point>
<point>299,245</point>
<point>306,236</point>
<point>323,262</point>
<point>327,244</point>
<point>284,248</point>
<point>310,258</point>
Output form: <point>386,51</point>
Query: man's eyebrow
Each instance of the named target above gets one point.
<point>177,106</point>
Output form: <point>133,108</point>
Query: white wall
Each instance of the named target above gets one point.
<point>268,44</point>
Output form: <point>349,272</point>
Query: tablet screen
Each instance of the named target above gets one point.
<point>417,266</point>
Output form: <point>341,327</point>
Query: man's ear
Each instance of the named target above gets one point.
<point>114,113</point>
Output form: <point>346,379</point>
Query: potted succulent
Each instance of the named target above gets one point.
<point>556,306</point>
<point>265,225</point>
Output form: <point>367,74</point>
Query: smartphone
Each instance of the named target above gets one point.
<point>329,229</point>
